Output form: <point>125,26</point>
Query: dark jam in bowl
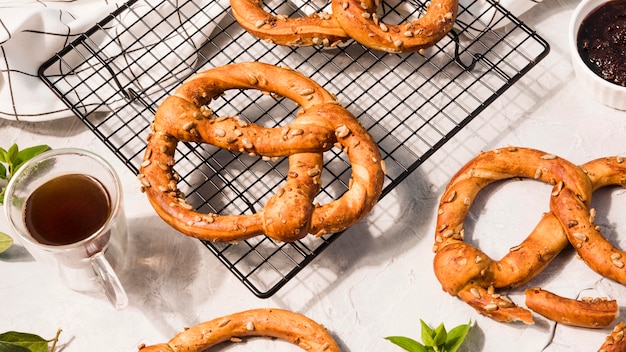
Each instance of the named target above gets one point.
<point>602,41</point>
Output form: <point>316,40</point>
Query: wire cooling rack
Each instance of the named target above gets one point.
<point>115,76</point>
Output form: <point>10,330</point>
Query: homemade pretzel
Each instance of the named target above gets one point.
<point>315,29</point>
<point>587,313</point>
<point>290,213</point>
<point>466,271</point>
<point>362,23</point>
<point>615,342</point>
<point>597,252</point>
<point>277,323</point>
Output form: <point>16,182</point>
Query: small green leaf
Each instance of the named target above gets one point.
<point>440,335</point>
<point>9,347</point>
<point>32,342</point>
<point>456,337</point>
<point>12,154</point>
<point>3,172</point>
<point>28,153</point>
<point>428,334</point>
<point>407,344</point>
<point>5,242</point>
<point>3,156</point>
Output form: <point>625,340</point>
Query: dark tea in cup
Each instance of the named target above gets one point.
<point>66,209</point>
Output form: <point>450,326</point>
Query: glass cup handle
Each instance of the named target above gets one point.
<point>109,281</point>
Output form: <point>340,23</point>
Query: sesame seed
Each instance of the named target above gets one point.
<point>342,131</point>
<point>250,326</point>
<point>548,157</point>
<point>580,236</point>
<point>259,23</point>
<point>219,132</point>
<point>475,292</point>
<point>223,323</point>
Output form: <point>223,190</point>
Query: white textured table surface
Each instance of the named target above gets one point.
<point>377,279</point>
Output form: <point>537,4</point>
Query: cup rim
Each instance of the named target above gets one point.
<point>582,10</point>
<point>115,208</point>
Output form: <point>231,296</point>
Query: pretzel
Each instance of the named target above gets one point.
<point>362,23</point>
<point>290,213</point>
<point>615,341</point>
<point>597,252</point>
<point>587,313</point>
<point>467,272</point>
<point>277,323</point>
<point>314,29</point>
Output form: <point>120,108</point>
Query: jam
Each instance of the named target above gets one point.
<point>602,41</point>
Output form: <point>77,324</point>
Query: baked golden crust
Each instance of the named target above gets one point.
<point>290,213</point>
<point>466,271</point>
<point>320,29</point>
<point>578,219</point>
<point>587,313</point>
<point>270,322</point>
<point>615,341</point>
<point>360,20</point>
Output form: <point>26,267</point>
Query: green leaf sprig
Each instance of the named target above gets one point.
<point>11,159</point>
<point>14,341</point>
<point>437,340</point>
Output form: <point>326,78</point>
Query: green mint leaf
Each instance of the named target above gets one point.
<point>12,154</point>
<point>3,156</point>
<point>440,336</point>
<point>28,153</point>
<point>31,342</point>
<point>428,334</point>
<point>3,172</point>
<point>456,337</point>
<point>9,347</point>
<point>5,242</point>
<point>408,344</point>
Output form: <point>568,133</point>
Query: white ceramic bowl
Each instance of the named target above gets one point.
<point>608,93</point>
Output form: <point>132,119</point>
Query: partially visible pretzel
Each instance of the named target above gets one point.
<point>467,272</point>
<point>599,254</point>
<point>278,323</point>
<point>291,213</point>
<point>615,342</point>
<point>359,18</point>
<point>320,29</point>
<point>592,313</point>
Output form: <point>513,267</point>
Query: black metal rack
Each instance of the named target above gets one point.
<point>114,77</point>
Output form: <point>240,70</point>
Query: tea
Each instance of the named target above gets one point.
<point>66,209</point>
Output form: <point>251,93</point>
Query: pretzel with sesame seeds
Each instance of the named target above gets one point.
<point>615,341</point>
<point>359,18</point>
<point>467,272</point>
<point>270,322</point>
<point>319,29</point>
<point>290,214</point>
<point>595,250</point>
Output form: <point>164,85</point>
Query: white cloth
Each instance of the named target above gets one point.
<point>32,31</point>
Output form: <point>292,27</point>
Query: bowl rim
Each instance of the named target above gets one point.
<point>582,10</point>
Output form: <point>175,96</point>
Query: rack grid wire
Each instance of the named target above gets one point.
<point>115,75</point>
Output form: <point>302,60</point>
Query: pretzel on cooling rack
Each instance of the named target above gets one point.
<point>361,21</point>
<point>599,254</point>
<point>290,213</point>
<point>466,271</point>
<point>587,313</point>
<point>278,323</point>
<point>321,29</point>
